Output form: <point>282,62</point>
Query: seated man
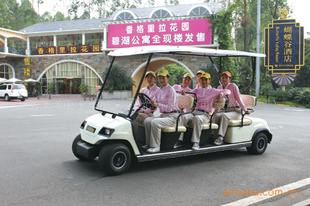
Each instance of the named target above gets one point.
<point>150,90</point>
<point>166,100</point>
<point>206,96</point>
<point>198,75</point>
<point>234,108</point>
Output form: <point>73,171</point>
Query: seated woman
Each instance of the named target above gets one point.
<point>206,95</point>
<point>166,100</point>
<point>186,81</point>
<point>234,107</point>
<point>150,90</point>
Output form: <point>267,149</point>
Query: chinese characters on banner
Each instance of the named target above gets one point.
<point>284,46</point>
<point>41,50</point>
<point>72,49</point>
<point>51,50</point>
<point>84,48</point>
<point>27,70</point>
<point>62,49</point>
<point>179,32</point>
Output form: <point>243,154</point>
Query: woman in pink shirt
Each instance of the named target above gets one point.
<point>166,100</point>
<point>206,95</point>
<point>234,107</point>
<point>150,90</point>
<point>186,81</point>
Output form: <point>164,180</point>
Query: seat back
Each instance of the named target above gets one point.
<point>185,102</point>
<point>248,100</point>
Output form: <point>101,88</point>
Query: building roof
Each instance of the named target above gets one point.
<point>59,26</point>
<point>96,24</point>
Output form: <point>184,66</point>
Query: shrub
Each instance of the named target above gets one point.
<point>51,88</point>
<point>118,80</point>
<point>83,88</point>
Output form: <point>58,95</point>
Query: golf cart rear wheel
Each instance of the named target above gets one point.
<point>259,144</point>
<point>115,158</point>
<point>74,149</point>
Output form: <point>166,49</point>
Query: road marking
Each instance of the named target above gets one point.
<point>303,203</point>
<point>42,115</point>
<point>260,197</point>
<point>16,106</point>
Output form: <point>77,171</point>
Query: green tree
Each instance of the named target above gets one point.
<point>176,74</point>
<point>26,15</point>
<point>46,17</point>
<point>222,27</point>
<point>59,17</point>
<point>118,79</point>
<point>303,75</point>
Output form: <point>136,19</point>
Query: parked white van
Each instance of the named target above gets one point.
<point>13,91</point>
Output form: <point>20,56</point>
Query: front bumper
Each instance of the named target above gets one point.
<point>87,150</point>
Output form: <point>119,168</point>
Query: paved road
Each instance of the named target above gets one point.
<point>37,166</point>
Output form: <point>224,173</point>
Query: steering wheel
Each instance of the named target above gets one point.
<point>146,101</point>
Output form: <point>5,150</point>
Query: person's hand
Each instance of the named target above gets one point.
<point>154,103</point>
<point>247,112</point>
<point>183,92</point>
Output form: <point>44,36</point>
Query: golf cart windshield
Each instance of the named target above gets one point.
<point>150,51</point>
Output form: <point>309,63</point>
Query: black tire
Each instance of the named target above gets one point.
<point>22,99</point>
<point>74,145</point>
<point>7,98</point>
<point>115,158</point>
<point>259,144</point>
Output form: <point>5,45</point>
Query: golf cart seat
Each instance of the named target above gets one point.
<point>249,101</point>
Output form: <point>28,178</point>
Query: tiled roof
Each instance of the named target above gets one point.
<point>90,24</point>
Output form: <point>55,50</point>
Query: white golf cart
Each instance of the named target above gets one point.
<point>110,136</point>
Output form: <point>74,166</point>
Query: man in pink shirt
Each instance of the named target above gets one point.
<point>234,107</point>
<point>150,90</point>
<point>198,75</point>
<point>166,100</point>
<point>206,95</point>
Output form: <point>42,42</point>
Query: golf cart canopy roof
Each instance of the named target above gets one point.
<point>182,50</point>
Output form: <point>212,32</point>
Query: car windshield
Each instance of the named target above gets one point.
<point>15,86</point>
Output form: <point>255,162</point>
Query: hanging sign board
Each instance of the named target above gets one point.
<point>284,46</point>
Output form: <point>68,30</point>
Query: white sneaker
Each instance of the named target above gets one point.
<point>145,146</point>
<point>196,146</point>
<point>153,150</point>
<point>219,141</point>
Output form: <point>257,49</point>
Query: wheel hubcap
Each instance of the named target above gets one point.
<point>261,144</point>
<point>119,159</point>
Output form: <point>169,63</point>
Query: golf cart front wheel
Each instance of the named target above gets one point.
<point>115,158</point>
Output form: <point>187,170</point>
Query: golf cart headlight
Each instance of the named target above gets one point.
<point>83,124</point>
<point>106,131</point>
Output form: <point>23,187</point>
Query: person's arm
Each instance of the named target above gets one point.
<point>236,93</point>
<point>170,102</point>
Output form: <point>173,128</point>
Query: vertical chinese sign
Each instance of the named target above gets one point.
<point>284,49</point>
<point>284,46</point>
<point>27,70</point>
<point>179,32</point>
